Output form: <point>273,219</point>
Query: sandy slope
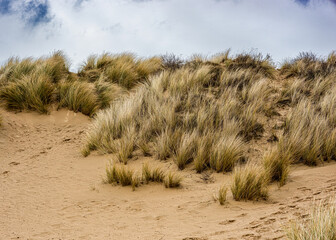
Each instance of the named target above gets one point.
<point>49,191</point>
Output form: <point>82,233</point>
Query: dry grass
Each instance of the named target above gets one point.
<point>31,92</point>
<point>185,149</point>
<point>225,154</point>
<point>320,225</point>
<point>123,69</point>
<point>119,175</point>
<point>78,97</point>
<point>309,66</point>
<point>176,108</point>
<point>172,180</point>
<point>305,135</point>
<point>222,193</point>
<point>204,111</point>
<point>249,183</point>
<point>35,84</point>
<point>152,174</point>
<point>276,165</point>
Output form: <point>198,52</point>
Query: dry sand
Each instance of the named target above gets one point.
<point>49,191</point>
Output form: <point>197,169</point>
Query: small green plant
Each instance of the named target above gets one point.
<point>249,183</point>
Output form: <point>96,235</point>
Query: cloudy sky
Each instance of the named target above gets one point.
<point>282,28</point>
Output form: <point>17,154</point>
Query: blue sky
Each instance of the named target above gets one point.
<point>282,28</point>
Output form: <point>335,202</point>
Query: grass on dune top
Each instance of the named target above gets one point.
<point>203,112</point>
<point>206,112</point>
<point>35,84</point>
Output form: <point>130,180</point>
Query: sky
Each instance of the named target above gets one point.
<point>281,28</point>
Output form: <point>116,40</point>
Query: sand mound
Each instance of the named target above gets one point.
<point>49,191</point>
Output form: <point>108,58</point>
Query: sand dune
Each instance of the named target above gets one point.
<point>49,191</point>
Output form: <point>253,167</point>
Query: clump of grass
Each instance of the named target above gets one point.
<point>222,195</point>
<point>107,92</point>
<point>78,97</point>
<point>121,175</point>
<point>125,146</point>
<point>56,66</point>
<point>144,147</point>
<point>152,175</point>
<point>175,108</point>
<point>225,154</point>
<point>320,225</point>
<point>172,180</point>
<point>308,66</point>
<point>32,92</point>
<point>85,151</point>
<point>124,69</point>
<point>171,62</point>
<point>162,146</point>
<point>253,61</point>
<point>305,134</point>
<point>249,183</point>
<point>276,165</point>
<point>185,150</point>
<point>202,158</point>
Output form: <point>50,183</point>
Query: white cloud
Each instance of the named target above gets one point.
<point>282,28</point>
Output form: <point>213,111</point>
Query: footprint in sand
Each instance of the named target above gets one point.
<point>251,236</point>
<point>13,163</point>
<point>227,222</point>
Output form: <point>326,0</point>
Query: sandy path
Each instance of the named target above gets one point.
<point>49,191</point>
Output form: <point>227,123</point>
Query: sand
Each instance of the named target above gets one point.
<point>49,191</point>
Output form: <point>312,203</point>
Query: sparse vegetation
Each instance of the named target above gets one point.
<point>222,195</point>
<point>320,225</point>
<point>123,175</point>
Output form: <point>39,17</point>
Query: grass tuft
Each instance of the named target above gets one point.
<point>78,97</point>
<point>225,154</point>
<point>32,92</point>
<point>222,195</point>
<point>320,225</point>
<point>276,165</point>
<point>249,183</point>
<point>121,175</point>
<point>172,180</point>
<point>152,175</point>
